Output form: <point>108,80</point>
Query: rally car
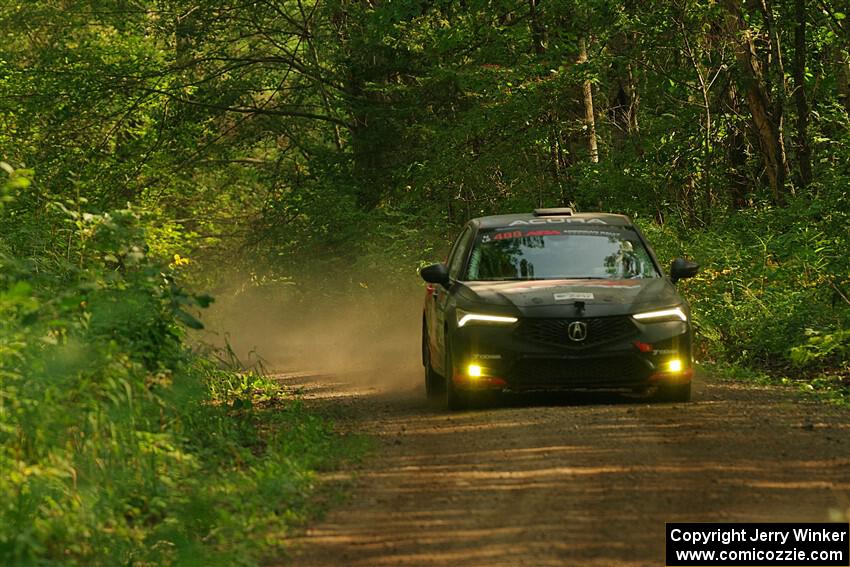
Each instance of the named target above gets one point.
<point>555,300</point>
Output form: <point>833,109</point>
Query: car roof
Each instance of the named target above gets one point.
<point>522,219</point>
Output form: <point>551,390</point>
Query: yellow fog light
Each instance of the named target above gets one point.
<point>674,365</point>
<point>474,370</point>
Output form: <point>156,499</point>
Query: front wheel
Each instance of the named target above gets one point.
<point>676,393</point>
<point>434,383</point>
<point>456,399</point>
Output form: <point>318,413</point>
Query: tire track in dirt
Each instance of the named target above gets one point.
<point>561,481</point>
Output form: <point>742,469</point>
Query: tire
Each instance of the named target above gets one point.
<point>434,383</point>
<point>675,393</point>
<point>455,398</point>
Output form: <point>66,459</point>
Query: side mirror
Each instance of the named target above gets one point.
<point>682,269</point>
<point>436,274</point>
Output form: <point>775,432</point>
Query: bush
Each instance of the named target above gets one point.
<point>771,292</point>
<point>118,446</point>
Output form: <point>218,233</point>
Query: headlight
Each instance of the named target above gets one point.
<point>661,315</point>
<point>464,317</point>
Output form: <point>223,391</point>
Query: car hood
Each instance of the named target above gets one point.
<point>557,298</point>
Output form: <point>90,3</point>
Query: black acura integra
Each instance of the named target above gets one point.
<point>555,301</point>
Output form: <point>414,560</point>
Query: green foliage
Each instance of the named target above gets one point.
<point>820,346</point>
<point>769,292</point>
<point>117,446</point>
<point>15,181</point>
<point>334,147</point>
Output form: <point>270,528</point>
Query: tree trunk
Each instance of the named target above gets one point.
<point>766,124</point>
<point>589,117</point>
<point>777,85</point>
<point>842,59</point>
<point>736,150</point>
<point>622,98</point>
<point>372,139</point>
<point>314,55</point>
<point>554,157</point>
<point>538,30</point>
<point>844,80</point>
<point>804,151</point>
<point>184,30</point>
<point>634,101</point>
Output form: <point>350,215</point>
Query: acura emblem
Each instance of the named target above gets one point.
<point>577,331</point>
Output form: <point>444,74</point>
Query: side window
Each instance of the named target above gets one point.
<point>459,253</point>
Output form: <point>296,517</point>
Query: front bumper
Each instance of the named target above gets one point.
<point>533,354</point>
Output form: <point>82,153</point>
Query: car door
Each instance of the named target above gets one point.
<point>442,297</point>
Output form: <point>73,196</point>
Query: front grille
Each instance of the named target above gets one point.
<point>599,372</point>
<point>600,330</point>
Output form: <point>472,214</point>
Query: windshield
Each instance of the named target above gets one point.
<point>532,253</point>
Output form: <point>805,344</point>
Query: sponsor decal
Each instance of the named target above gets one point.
<point>562,220</point>
<point>587,231</point>
<point>573,295</point>
<point>521,234</point>
<point>514,286</point>
<point>507,235</point>
<point>613,283</point>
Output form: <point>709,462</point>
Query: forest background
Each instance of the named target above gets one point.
<point>160,154</point>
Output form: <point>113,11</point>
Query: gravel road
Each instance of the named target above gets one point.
<point>567,481</point>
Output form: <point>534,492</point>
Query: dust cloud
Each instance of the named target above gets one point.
<point>365,337</point>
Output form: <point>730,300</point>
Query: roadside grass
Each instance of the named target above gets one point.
<point>264,452</point>
<point>120,446</point>
<point>827,386</point>
<point>222,480</point>
<point>770,302</point>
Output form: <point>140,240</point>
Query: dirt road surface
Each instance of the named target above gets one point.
<point>571,481</point>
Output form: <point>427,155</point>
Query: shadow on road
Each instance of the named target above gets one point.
<point>566,479</point>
